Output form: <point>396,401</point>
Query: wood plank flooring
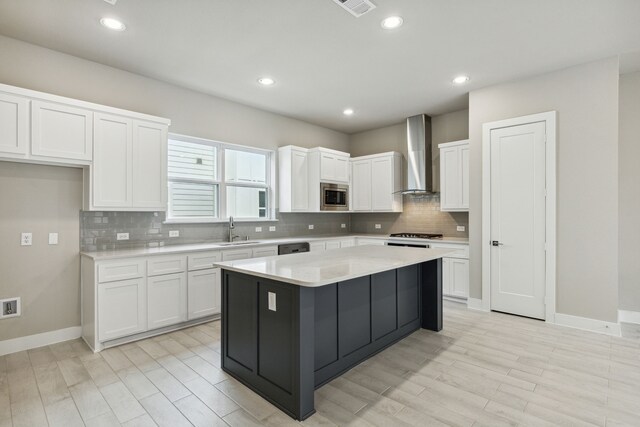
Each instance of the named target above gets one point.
<point>483,369</point>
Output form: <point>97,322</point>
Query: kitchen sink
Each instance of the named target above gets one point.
<point>244,242</point>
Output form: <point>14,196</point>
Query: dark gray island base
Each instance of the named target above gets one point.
<point>317,333</point>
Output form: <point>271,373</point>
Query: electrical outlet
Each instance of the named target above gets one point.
<point>10,307</point>
<point>122,236</point>
<point>258,229</point>
<point>272,301</point>
<point>343,225</point>
<point>460,228</point>
<point>378,226</point>
<point>174,233</point>
<point>272,228</point>
<point>310,226</point>
<point>26,239</point>
<point>53,238</point>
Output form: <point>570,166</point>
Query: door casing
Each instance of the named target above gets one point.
<point>549,118</point>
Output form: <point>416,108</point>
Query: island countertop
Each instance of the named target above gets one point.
<point>311,269</point>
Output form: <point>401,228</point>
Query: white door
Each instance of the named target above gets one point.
<point>121,309</point>
<point>149,165</point>
<point>204,293</point>
<point>14,124</point>
<point>517,235</point>
<point>382,184</point>
<point>361,192</point>
<point>166,300</point>
<point>111,170</point>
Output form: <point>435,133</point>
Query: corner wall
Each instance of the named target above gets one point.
<point>586,99</point>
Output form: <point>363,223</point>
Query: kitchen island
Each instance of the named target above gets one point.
<point>294,322</point>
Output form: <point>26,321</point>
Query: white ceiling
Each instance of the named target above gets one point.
<point>324,59</point>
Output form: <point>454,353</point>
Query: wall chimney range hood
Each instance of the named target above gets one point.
<point>419,159</point>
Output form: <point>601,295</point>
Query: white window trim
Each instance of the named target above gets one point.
<point>223,216</point>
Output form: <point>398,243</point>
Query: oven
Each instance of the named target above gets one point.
<point>334,197</point>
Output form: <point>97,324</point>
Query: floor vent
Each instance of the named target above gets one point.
<point>356,7</point>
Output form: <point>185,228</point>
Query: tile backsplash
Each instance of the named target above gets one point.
<point>147,229</point>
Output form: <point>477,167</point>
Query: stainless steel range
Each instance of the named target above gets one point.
<point>430,236</point>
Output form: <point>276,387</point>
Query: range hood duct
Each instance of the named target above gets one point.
<point>419,158</point>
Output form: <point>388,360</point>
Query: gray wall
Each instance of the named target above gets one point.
<point>421,214</point>
<point>629,175</point>
<point>586,99</point>
<point>40,200</point>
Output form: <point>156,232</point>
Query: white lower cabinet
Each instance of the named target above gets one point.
<point>347,243</point>
<point>204,293</point>
<point>121,308</point>
<point>332,244</point>
<point>455,277</point>
<point>166,300</point>
<point>361,241</point>
<point>265,251</point>
<point>236,254</point>
<point>317,246</point>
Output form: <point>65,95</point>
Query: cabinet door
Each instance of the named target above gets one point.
<point>341,168</point>
<point>459,273</point>
<point>327,167</point>
<point>61,132</point>
<point>299,181</point>
<point>111,169</point>
<point>361,192</point>
<point>265,251</point>
<point>347,243</point>
<point>203,293</point>
<point>149,165</point>
<point>382,184</point>
<point>121,309</point>
<point>333,244</point>
<point>14,124</point>
<point>166,300</point>
<point>446,276</point>
<point>450,189</point>
<point>464,176</point>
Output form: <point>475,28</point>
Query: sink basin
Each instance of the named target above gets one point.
<point>244,242</point>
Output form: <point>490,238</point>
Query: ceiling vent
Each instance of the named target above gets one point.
<point>111,2</point>
<point>356,7</point>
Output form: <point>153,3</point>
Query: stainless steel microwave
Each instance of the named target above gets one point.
<point>334,197</point>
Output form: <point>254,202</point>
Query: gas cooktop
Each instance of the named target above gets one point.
<point>417,235</point>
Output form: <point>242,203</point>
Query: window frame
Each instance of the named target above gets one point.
<point>223,215</point>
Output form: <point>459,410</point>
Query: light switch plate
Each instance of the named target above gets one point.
<point>343,225</point>
<point>460,228</point>
<point>258,229</point>
<point>26,239</point>
<point>53,238</point>
<point>174,233</point>
<point>310,226</point>
<point>122,236</point>
<point>378,226</point>
<point>272,228</point>
<point>272,301</point>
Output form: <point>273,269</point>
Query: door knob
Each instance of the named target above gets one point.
<point>496,243</point>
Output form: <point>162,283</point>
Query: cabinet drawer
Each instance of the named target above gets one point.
<point>265,251</point>
<point>111,271</point>
<point>166,265</point>
<point>317,246</point>
<point>333,244</point>
<point>203,260</point>
<point>347,243</point>
<point>236,254</point>
<point>462,251</point>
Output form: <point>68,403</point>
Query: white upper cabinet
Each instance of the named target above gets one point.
<point>454,176</point>
<point>14,125</point>
<point>377,182</point>
<point>361,197</point>
<point>334,167</point>
<point>149,165</point>
<point>293,179</point>
<point>61,131</point>
<point>129,170</point>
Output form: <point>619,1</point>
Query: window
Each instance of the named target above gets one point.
<point>210,181</point>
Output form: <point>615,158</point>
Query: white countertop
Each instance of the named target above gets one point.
<point>310,270</point>
<point>198,247</point>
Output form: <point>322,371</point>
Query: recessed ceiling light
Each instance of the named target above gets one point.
<point>266,81</point>
<point>460,80</point>
<point>348,112</point>
<point>113,24</point>
<point>391,22</point>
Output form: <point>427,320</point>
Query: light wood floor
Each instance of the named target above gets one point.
<point>482,369</point>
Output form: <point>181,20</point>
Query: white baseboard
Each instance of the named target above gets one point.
<point>475,304</point>
<point>38,340</point>
<point>584,323</point>
<point>627,316</point>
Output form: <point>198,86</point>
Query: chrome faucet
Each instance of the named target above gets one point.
<point>231,228</point>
